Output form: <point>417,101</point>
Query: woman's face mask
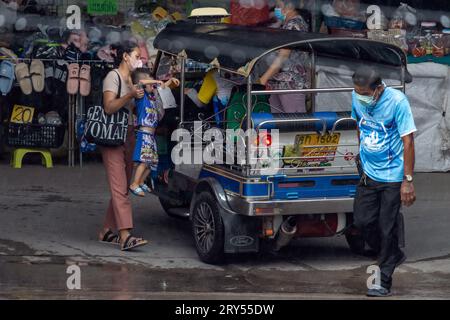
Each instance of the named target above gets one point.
<point>279,14</point>
<point>135,63</point>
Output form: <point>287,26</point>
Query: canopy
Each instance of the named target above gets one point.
<point>239,48</point>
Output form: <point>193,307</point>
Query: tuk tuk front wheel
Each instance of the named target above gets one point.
<point>208,229</point>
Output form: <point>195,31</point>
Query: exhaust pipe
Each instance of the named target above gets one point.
<point>287,231</point>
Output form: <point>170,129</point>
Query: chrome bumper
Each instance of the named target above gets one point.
<point>289,207</point>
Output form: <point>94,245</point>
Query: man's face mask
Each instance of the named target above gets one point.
<point>279,14</point>
<point>368,101</point>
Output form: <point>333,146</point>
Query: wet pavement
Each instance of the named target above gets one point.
<point>49,220</point>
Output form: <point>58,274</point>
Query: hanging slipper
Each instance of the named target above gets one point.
<point>49,77</point>
<point>6,77</point>
<point>24,78</point>
<point>73,80</point>
<point>37,73</point>
<point>85,80</point>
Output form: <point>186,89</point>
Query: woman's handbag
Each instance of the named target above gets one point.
<point>104,129</point>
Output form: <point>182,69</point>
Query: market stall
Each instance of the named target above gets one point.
<point>41,107</point>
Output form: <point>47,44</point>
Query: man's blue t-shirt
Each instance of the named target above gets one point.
<point>381,130</point>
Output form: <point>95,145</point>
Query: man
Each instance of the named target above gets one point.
<point>385,130</point>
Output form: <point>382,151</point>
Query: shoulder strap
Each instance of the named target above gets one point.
<point>119,93</point>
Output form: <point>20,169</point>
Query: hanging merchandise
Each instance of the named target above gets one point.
<point>85,80</point>
<point>249,12</point>
<point>24,78</point>
<point>73,80</point>
<point>347,8</point>
<point>37,73</point>
<point>6,77</point>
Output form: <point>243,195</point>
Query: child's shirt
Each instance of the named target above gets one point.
<point>147,110</point>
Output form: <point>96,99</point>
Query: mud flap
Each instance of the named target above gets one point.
<point>241,233</point>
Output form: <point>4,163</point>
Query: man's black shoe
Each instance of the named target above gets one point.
<point>378,292</point>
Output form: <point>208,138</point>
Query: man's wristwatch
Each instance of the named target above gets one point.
<point>408,178</point>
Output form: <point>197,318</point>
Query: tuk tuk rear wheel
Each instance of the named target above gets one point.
<point>208,229</point>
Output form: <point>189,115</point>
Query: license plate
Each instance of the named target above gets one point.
<point>313,150</point>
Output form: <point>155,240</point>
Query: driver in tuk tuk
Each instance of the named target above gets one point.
<point>386,133</point>
<point>289,69</point>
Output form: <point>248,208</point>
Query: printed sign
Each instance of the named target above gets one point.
<point>102,7</point>
<point>22,114</point>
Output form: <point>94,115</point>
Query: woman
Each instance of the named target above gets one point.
<point>289,69</point>
<point>118,160</point>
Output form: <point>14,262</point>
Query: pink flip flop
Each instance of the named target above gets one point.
<point>85,80</point>
<point>73,80</point>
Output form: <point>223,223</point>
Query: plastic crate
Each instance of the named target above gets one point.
<point>343,23</point>
<point>35,135</point>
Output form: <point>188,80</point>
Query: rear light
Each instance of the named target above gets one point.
<point>264,140</point>
<point>263,211</point>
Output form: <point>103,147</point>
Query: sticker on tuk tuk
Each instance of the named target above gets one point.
<point>312,150</point>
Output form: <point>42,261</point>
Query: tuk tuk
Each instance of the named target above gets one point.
<point>236,207</point>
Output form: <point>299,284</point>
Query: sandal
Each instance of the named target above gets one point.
<point>132,243</point>
<point>146,188</point>
<point>138,192</point>
<point>110,238</point>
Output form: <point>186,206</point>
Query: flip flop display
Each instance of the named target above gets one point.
<point>37,73</point>
<point>6,77</point>
<point>85,80</point>
<point>24,78</point>
<point>73,80</point>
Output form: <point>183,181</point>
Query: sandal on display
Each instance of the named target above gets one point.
<point>138,192</point>
<point>37,73</point>
<point>73,80</point>
<point>23,78</point>
<point>110,238</point>
<point>6,77</point>
<point>132,243</point>
<point>85,80</point>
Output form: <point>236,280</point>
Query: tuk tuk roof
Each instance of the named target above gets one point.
<point>239,48</point>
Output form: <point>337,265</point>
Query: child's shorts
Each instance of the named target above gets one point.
<point>146,150</point>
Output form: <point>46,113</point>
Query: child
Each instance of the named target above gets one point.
<point>149,111</point>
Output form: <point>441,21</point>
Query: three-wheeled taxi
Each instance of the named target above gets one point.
<point>309,189</point>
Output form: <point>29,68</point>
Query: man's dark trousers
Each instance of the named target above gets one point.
<point>376,209</point>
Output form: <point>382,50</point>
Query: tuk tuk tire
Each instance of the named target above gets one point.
<point>205,209</point>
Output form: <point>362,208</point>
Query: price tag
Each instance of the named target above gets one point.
<point>22,114</point>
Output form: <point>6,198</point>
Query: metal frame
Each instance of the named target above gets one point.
<point>313,91</point>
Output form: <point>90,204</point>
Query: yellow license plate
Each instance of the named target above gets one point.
<point>312,150</point>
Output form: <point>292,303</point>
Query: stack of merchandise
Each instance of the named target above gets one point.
<point>345,18</point>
